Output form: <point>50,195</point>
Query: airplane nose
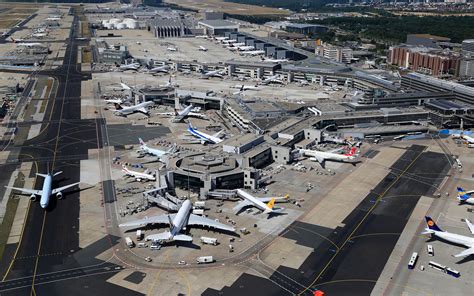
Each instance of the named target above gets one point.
<point>43,205</point>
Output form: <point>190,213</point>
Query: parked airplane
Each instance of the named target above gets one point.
<point>189,111</point>
<point>144,149</point>
<point>172,49</point>
<point>46,191</point>
<point>205,138</point>
<point>116,101</point>
<point>132,66</point>
<point>254,52</point>
<point>246,48</point>
<point>160,69</point>
<point>463,240</point>
<point>221,38</point>
<point>273,79</point>
<point>465,196</point>
<point>265,204</point>
<point>177,223</point>
<point>321,156</point>
<point>467,139</point>
<point>28,44</point>
<point>215,73</point>
<point>202,48</point>
<point>138,175</point>
<point>124,111</point>
<point>243,87</point>
<point>272,60</point>
<point>201,36</point>
<point>39,35</point>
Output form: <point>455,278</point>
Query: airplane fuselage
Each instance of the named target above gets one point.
<point>181,218</point>
<point>47,190</point>
<point>454,238</point>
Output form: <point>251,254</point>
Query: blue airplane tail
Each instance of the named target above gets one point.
<point>431,224</point>
<point>462,195</point>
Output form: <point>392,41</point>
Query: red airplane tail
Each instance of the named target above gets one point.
<point>351,152</point>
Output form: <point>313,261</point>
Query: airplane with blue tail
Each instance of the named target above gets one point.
<point>465,196</point>
<point>203,137</point>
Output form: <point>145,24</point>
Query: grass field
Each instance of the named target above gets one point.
<point>228,7</point>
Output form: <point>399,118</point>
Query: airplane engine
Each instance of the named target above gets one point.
<point>33,197</point>
<point>59,195</point>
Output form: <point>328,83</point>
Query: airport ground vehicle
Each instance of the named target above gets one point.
<point>209,240</point>
<point>413,259</point>
<point>129,242</point>
<point>204,259</point>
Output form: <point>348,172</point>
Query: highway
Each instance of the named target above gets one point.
<point>49,241</point>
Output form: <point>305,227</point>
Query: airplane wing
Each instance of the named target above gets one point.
<point>470,225</point>
<point>54,191</point>
<point>160,219</point>
<point>202,221</point>
<point>465,253</point>
<point>318,158</point>
<point>26,190</point>
<point>269,198</point>
<point>241,205</point>
<point>143,110</point>
<point>217,134</point>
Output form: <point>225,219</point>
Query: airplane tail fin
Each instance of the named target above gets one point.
<point>118,106</point>
<point>57,173</point>
<point>141,142</point>
<point>352,151</point>
<point>431,224</point>
<point>217,134</point>
<point>270,204</point>
<point>462,195</point>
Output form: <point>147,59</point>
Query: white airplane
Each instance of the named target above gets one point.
<point>254,52</point>
<point>273,79</point>
<point>138,175</point>
<point>265,204</point>
<point>46,191</point>
<point>321,156</point>
<point>201,36</point>
<point>463,240</point>
<point>229,41</point>
<point>160,69</point>
<point>243,88</point>
<point>215,73</point>
<point>467,139</point>
<point>465,196</point>
<point>203,137</point>
<point>172,49</point>
<point>144,149</point>
<point>271,60</point>
<point>246,48</point>
<point>221,38</point>
<point>177,223</point>
<point>189,111</point>
<point>302,82</point>
<point>124,111</point>
<point>202,48</point>
<point>29,44</point>
<point>132,66</point>
<point>39,35</point>
<point>116,101</point>
<point>236,45</point>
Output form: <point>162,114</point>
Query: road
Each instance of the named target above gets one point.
<point>50,240</point>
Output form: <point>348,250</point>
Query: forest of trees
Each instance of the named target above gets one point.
<point>394,29</point>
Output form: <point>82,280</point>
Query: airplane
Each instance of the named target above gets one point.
<point>467,139</point>
<point>186,112</point>
<point>160,69</point>
<point>221,38</point>
<point>302,82</point>
<point>273,79</point>
<point>46,191</point>
<point>463,240</point>
<point>132,66</point>
<point>265,204</point>
<point>254,52</point>
<point>124,111</point>
<point>177,223</point>
<point>465,196</point>
<point>243,88</point>
<point>213,139</point>
<point>202,48</point>
<point>321,156</point>
<point>271,60</point>
<point>28,44</point>
<point>144,149</point>
<point>172,49</point>
<point>215,73</point>
<point>201,36</point>
<point>116,101</point>
<point>229,41</point>
<point>246,48</point>
<point>39,35</point>
<point>138,175</point>
<point>237,44</point>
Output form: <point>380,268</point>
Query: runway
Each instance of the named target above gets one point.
<point>50,240</point>
<point>348,260</point>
